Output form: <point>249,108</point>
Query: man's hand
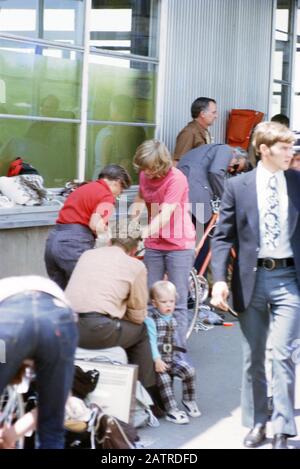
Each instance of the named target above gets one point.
<point>219,295</point>
<point>160,366</point>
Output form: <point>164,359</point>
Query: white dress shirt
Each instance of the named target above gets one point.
<point>284,249</point>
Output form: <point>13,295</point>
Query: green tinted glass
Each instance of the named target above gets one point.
<point>114,144</point>
<point>39,81</point>
<point>121,90</point>
<point>51,147</point>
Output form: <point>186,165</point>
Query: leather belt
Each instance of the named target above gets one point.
<point>92,314</point>
<point>268,263</point>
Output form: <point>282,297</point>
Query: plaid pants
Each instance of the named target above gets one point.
<point>184,371</point>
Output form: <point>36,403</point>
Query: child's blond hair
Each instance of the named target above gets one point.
<point>162,285</point>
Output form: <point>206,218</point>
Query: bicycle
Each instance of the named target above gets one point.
<point>11,409</point>
<point>198,280</point>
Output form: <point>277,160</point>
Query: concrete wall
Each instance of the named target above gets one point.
<point>22,251</point>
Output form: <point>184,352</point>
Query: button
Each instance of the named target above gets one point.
<point>257,249</point>
<point>254,269</point>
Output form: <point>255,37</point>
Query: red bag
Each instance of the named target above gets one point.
<point>18,167</point>
<point>240,125</point>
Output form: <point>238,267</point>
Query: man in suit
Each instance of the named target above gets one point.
<point>206,168</point>
<point>260,217</point>
<point>195,133</point>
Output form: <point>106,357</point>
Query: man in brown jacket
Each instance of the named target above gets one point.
<point>108,288</point>
<point>195,133</point>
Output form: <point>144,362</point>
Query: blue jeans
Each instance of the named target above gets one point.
<point>36,325</point>
<point>276,298</point>
<point>177,264</point>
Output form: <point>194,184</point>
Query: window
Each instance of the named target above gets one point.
<point>128,26</point>
<point>296,97</point>
<point>53,20</point>
<point>41,84</point>
<point>283,57</point>
<point>122,81</point>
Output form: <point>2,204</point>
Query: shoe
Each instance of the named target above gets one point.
<point>177,416</point>
<point>256,436</point>
<point>192,408</point>
<point>279,441</point>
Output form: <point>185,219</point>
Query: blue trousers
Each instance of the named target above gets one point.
<point>35,325</point>
<point>64,246</point>
<point>276,298</point>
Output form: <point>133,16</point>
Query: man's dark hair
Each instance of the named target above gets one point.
<point>114,172</point>
<point>199,105</point>
<point>282,119</point>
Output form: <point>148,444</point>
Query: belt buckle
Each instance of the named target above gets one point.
<point>167,348</point>
<point>269,263</point>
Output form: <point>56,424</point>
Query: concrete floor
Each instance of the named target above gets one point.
<point>216,354</point>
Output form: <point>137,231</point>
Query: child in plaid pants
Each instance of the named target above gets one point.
<point>161,328</point>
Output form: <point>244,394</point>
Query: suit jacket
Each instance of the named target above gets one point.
<point>205,168</point>
<point>238,226</point>
<point>191,136</point>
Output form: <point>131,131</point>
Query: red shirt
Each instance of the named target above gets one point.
<point>93,197</point>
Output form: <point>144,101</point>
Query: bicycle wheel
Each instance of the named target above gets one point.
<point>198,289</point>
<point>11,409</point>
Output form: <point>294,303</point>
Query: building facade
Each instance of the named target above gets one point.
<point>84,82</point>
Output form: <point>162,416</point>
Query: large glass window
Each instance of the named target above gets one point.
<point>54,20</point>
<point>31,73</point>
<point>114,144</point>
<point>40,82</point>
<point>122,81</point>
<point>42,101</point>
<point>127,26</point>
<point>283,57</point>
<point>50,147</point>
<point>296,97</point>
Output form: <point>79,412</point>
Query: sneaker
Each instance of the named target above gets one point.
<point>177,416</point>
<point>192,408</point>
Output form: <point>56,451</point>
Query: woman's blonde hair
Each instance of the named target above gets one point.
<point>153,155</point>
<point>269,133</point>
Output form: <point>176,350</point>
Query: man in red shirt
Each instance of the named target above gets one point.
<point>84,215</point>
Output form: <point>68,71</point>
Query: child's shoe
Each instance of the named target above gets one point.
<point>177,416</point>
<point>192,408</point>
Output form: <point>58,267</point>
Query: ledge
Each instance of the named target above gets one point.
<point>44,215</point>
<point>25,217</point>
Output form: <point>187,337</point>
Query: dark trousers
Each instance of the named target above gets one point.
<point>64,246</point>
<point>98,331</point>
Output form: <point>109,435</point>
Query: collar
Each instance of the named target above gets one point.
<point>266,174</point>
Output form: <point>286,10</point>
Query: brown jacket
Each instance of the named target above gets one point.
<point>191,136</point>
<point>107,280</point>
